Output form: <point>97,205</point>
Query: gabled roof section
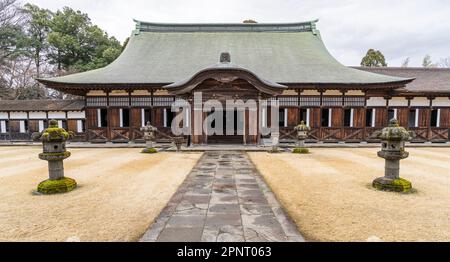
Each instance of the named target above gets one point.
<point>41,105</point>
<point>161,54</point>
<point>225,72</point>
<point>430,80</point>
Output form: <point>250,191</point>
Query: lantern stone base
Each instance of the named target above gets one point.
<point>392,185</point>
<point>63,185</point>
<point>300,150</point>
<point>149,151</point>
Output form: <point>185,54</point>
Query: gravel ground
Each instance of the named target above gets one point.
<point>120,193</point>
<point>328,194</point>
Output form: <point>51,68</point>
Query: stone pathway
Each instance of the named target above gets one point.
<point>223,199</point>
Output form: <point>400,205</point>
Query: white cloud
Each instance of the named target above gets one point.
<point>400,29</point>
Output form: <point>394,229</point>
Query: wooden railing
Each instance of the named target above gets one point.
<point>422,134</point>
<point>353,134</point>
<point>120,134</point>
<point>439,134</point>
<point>331,134</point>
<point>97,135</point>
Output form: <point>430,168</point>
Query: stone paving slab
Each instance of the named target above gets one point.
<point>223,199</point>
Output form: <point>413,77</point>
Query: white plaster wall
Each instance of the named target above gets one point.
<point>80,128</point>
<point>398,101</point>
<point>3,126</point>
<point>3,115</point>
<point>376,101</point>
<point>441,101</point>
<point>38,115</point>
<point>96,93</point>
<point>310,93</point>
<point>140,93</point>
<point>76,115</point>
<point>354,93</point>
<point>18,115</point>
<point>56,115</point>
<point>332,93</point>
<point>161,93</point>
<point>118,93</point>
<point>289,93</point>
<point>420,101</point>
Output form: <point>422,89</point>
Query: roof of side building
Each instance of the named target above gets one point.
<point>426,79</point>
<point>41,105</point>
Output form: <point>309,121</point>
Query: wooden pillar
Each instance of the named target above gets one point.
<point>27,128</point>
<point>343,115</point>
<point>429,131</point>
<point>364,137</point>
<point>320,116</point>
<point>152,111</point>
<point>108,116</point>
<point>9,125</point>
<point>130,119</point>
<point>258,123</point>
<point>298,105</point>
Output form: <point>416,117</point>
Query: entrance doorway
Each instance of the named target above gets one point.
<point>233,121</point>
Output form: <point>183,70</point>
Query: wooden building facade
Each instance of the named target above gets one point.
<point>289,63</point>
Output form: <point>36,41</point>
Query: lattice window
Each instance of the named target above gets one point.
<point>163,100</point>
<point>269,102</point>
<point>354,101</point>
<point>306,101</point>
<point>144,101</point>
<point>97,101</point>
<point>288,101</point>
<point>119,101</point>
<point>332,101</point>
<point>181,103</point>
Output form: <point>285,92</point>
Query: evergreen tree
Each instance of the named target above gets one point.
<point>373,59</point>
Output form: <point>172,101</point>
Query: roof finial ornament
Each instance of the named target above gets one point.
<point>225,57</point>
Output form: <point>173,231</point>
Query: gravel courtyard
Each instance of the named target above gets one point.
<point>120,193</point>
<point>328,194</point>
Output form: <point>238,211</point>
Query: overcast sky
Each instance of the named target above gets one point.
<point>399,28</point>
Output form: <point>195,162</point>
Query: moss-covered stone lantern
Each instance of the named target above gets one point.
<point>393,140</point>
<point>275,142</point>
<point>150,138</point>
<point>54,145</point>
<point>302,134</point>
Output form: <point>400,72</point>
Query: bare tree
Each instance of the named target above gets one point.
<point>9,13</point>
<point>406,62</point>
<point>445,62</point>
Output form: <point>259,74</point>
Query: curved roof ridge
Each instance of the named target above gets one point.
<point>307,26</point>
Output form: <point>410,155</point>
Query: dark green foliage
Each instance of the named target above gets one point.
<point>35,43</point>
<point>78,44</point>
<point>300,150</point>
<point>398,185</point>
<point>64,185</point>
<point>149,151</point>
<point>374,58</point>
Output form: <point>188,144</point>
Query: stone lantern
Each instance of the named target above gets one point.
<point>302,134</point>
<point>54,146</point>
<point>275,139</point>
<point>393,140</point>
<point>150,138</point>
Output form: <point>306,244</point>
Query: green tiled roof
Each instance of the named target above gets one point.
<point>281,53</point>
